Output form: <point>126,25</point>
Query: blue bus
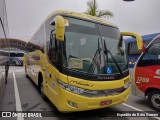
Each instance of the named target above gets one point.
<point>133,52</point>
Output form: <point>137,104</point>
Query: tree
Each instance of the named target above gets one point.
<point>93,10</point>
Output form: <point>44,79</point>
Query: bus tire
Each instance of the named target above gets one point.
<point>27,76</point>
<point>154,99</point>
<point>41,87</point>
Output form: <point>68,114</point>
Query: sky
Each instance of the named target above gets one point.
<point>26,16</point>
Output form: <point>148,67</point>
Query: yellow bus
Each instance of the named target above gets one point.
<point>79,62</point>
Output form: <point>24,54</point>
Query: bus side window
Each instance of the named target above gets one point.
<point>52,48</point>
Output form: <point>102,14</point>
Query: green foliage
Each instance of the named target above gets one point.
<point>93,10</point>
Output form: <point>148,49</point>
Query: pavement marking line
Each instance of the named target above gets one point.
<point>138,109</point>
<point>17,98</point>
<point>132,107</point>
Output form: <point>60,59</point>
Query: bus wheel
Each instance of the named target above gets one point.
<point>42,91</point>
<point>154,99</point>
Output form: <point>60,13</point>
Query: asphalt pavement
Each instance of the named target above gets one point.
<point>21,94</point>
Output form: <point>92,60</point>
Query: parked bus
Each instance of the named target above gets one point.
<point>134,53</point>
<point>15,57</point>
<point>146,77</point>
<point>79,62</point>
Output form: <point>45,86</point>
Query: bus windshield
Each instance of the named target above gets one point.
<point>16,54</point>
<point>85,44</point>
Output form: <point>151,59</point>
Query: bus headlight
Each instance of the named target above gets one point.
<point>91,93</point>
<point>71,88</point>
<point>77,90</point>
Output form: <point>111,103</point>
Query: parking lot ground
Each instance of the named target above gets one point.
<point>26,97</point>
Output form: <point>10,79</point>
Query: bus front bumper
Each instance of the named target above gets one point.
<point>70,102</point>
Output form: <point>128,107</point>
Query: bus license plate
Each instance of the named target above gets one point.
<point>106,102</point>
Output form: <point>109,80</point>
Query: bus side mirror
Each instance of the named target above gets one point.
<point>60,28</point>
<point>138,39</point>
<point>143,48</point>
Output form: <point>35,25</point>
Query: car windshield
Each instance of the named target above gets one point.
<point>84,48</point>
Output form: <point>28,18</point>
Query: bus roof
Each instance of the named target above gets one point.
<point>82,16</point>
<point>144,37</point>
<point>77,15</point>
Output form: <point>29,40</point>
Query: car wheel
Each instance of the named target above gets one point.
<point>154,99</point>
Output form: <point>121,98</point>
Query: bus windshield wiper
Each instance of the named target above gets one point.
<point>93,63</point>
<point>106,52</point>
